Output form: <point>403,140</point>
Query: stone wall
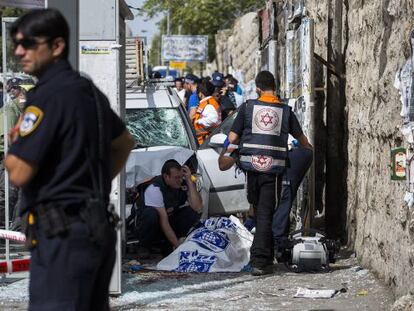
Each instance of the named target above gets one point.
<point>380,225</point>
<point>379,218</point>
<point>236,47</point>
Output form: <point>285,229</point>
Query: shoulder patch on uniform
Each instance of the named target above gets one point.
<point>32,117</point>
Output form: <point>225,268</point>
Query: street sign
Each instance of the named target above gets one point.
<point>184,48</point>
<point>178,65</point>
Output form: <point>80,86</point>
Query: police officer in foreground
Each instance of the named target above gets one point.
<point>66,149</point>
<point>261,130</point>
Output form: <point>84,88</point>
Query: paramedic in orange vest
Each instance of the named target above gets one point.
<point>208,114</point>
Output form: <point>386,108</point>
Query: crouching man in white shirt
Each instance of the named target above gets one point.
<point>170,207</point>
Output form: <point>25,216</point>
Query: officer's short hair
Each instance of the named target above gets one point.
<point>265,81</point>
<point>48,23</point>
<point>168,165</point>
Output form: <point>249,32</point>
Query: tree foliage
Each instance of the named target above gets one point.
<point>10,12</point>
<point>199,17</point>
<point>155,55</point>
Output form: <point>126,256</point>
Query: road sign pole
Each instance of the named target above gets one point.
<point>168,33</point>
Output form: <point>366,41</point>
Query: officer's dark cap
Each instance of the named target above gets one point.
<point>190,78</point>
<point>14,82</point>
<point>217,79</point>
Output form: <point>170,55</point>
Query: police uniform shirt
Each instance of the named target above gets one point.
<point>59,121</point>
<point>238,125</point>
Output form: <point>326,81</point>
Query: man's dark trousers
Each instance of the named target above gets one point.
<point>300,160</point>
<point>150,234</point>
<point>263,191</point>
<point>70,272</point>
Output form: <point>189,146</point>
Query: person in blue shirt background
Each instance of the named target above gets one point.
<point>191,82</point>
<point>229,79</point>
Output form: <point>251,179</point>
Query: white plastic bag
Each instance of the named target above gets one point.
<point>220,244</point>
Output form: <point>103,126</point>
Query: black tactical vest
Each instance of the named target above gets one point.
<point>173,198</point>
<point>263,145</point>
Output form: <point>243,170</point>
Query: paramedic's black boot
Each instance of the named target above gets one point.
<point>281,257</point>
<point>258,271</point>
<point>281,247</point>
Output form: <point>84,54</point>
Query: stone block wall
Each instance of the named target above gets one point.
<point>380,225</point>
<point>236,47</point>
<point>379,219</point>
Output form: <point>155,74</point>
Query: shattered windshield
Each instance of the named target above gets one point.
<point>156,127</point>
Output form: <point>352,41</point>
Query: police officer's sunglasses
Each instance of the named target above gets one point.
<point>29,43</point>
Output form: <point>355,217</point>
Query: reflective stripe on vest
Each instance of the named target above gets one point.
<point>266,147</point>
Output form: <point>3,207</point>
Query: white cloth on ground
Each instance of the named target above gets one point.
<point>219,244</point>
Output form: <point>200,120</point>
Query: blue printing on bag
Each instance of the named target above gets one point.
<point>195,262</point>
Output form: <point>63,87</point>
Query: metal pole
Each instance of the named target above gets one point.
<point>5,141</point>
<point>290,66</point>
<point>146,51</point>
<point>168,20</point>
<point>168,33</point>
<point>308,93</point>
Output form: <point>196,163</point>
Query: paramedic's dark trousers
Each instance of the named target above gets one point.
<point>70,272</point>
<point>261,191</point>
<point>300,160</point>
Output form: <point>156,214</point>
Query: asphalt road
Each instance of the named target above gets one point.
<point>154,290</point>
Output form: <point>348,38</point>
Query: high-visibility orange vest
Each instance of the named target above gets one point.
<point>201,131</point>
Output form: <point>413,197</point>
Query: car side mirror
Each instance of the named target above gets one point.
<point>217,140</point>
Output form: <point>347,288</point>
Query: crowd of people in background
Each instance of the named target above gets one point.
<point>12,105</point>
<point>208,100</point>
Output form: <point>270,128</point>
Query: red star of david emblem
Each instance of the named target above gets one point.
<point>266,119</point>
<point>261,160</point>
